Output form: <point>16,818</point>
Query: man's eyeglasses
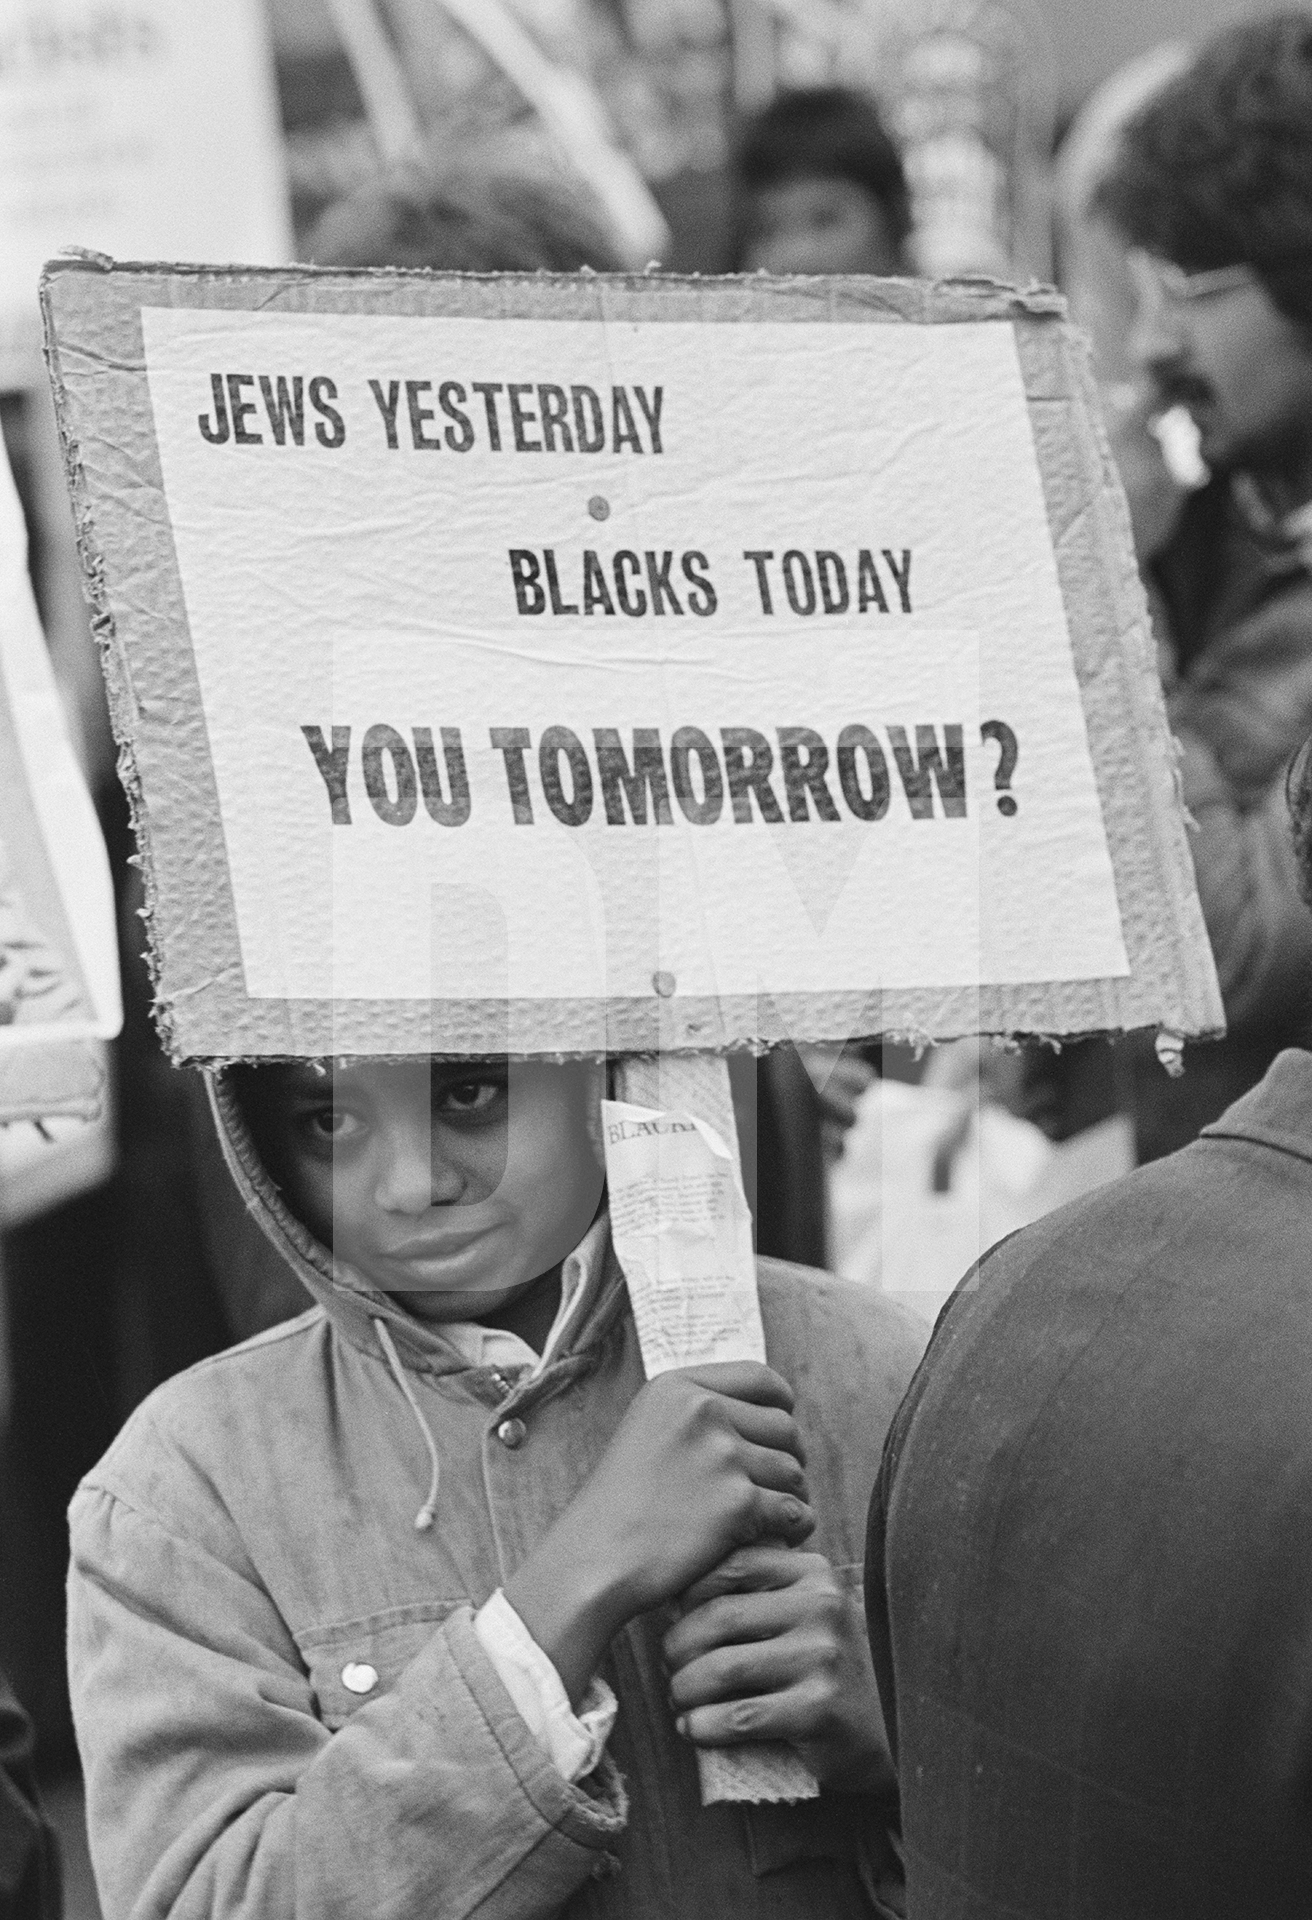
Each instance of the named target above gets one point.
<point>1182,288</point>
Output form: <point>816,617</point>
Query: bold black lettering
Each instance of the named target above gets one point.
<point>380,741</point>
<point>901,574</point>
<point>332,763</point>
<point>520,420</point>
<point>512,743</point>
<point>553,404</point>
<point>623,431</point>
<point>452,808</point>
<point>285,410</point>
<point>805,776</point>
<point>866,806</point>
<point>687,743</point>
<point>652,409</point>
<point>420,416</point>
<point>868,586</point>
<point>927,769</point>
<point>758,557</point>
<point>526,574</point>
<point>451,399</point>
<point>553,585</point>
<point>589,421</point>
<point>595,591</point>
<point>489,390</point>
<point>624,559</point>
<point>619,781</point>
<point>330,431</point>
<point>555,741</point>
<point>239,409</point>
<point>658,579</point>
<point>748,758</point>
<point>702,600</point>
<point>795,561</point>
<point>833,581</point>
<point>217,431</point>
<point>387,407</point>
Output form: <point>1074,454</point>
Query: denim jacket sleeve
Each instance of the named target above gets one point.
<point>215,1789</point>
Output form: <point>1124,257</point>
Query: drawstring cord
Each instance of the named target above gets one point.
<point>427,1513</point>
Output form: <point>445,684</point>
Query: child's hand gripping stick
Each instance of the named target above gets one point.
<point>682,1232</point>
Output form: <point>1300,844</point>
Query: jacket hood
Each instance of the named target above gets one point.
<point>353,1304</point>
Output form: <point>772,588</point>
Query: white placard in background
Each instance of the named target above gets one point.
<point>148,129</point>
<point>59,977</point>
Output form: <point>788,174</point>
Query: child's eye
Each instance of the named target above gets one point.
<point>469,1096</point>
<point>334,1124</point>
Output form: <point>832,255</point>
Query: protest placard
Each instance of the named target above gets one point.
<point>59,988</point>
<point>143,127</point>
<point>567,665</point>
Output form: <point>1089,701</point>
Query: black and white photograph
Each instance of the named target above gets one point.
<point>655,960</point>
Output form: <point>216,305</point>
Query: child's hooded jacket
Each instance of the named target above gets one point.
<point>282,1705</point>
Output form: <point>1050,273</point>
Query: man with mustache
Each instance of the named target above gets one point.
<point>1212,186</point>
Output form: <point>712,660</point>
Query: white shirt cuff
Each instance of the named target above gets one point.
<point>574,1743</point>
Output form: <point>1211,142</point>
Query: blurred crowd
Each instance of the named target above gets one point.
<point>1175,211</point>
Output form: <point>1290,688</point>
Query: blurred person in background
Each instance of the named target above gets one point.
<point>1211,185</point>
<point>819,188</point>
<point>29,1857</point>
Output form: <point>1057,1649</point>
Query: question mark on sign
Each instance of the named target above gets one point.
<point>1008,754</point>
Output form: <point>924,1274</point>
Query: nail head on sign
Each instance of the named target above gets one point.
<point>599,507</point>
<point>664,984</point>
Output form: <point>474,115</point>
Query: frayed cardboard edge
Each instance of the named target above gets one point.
<point>113,658</point>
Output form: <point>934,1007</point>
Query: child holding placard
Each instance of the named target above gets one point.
<point>420,1603</point>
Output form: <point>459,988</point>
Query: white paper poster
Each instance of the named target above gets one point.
<point>747,641</point>
<point>144,128</point>
<point>59,976</point>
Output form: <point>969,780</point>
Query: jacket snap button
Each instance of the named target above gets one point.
<point>511,1432</point>
<point>359,1677</point>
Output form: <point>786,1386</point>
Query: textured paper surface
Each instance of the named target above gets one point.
<point>683,1235</point>
<point>59,981</point>
<point>346,584</point>
<point>302,610</point>
<point>150,130</point>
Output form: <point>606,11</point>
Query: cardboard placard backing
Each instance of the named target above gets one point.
<point>552,665</point>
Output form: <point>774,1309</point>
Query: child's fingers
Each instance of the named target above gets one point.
<point>733,1723</point>
<point>744,1671</point>
<point>748,1569</point>
<point>782,1516</point>
<point>732,1620</point>
<point>767,1427</point>
<point>744,1380</point>
<point>771,1468</point>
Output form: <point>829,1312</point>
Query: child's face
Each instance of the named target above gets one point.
<point>818,225</point>
<point>452,1185</point>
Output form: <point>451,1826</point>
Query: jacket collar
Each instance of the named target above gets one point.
<point>1277,1112</point>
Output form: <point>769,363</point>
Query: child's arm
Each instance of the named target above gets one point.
<point>771,1647</point>
<point>216,1792</point>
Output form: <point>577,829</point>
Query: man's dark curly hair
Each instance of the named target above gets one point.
<point>829,133</point>
<point>1216,169</point>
